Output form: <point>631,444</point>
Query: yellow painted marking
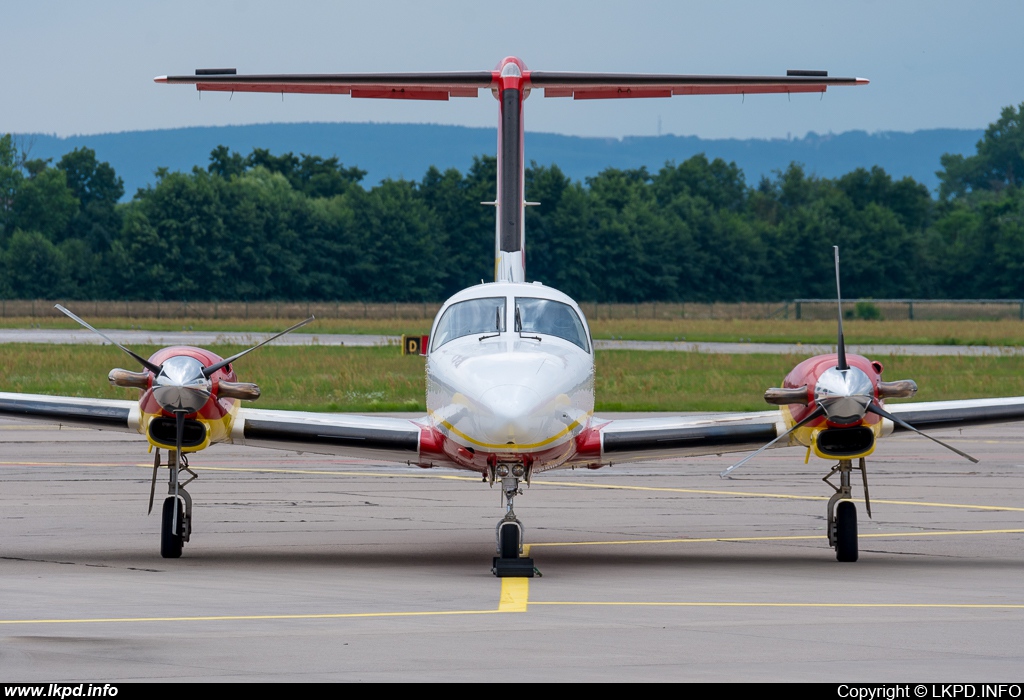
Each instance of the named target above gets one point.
<point>573,484</point>
<point>259,470</point>
<point>514,594</point>
<point>24,428</point>
<point>638,604</point>
<point>216,618</point>
<point>451,428</point>
<point>752,494</point>
<point>697,540</point>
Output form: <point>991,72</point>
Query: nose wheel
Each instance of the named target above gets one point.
<point>842,512</point>
<point>176,516</point>
<point>509,533</point>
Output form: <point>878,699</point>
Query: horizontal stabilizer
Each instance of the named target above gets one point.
<point>584,86</point>
<point>414,86</point>
<point>441,86</point>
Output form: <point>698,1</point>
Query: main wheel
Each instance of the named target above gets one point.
<point>171,541</point>
<point>846,531</point>
<point>509,541</point>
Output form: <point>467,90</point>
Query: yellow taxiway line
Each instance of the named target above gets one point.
<point>515,599</point>
<point>767,538</point>
<point>514,596</point>
<point>563,484</point>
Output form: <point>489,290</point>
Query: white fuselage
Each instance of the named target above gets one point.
<point>510,374</point>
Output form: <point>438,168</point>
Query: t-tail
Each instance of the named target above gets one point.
<point>511,83</point>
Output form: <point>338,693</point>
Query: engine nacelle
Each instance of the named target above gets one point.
<point>163,433</point>
<point>843,443</point>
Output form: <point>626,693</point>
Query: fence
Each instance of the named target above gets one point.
<point>805,309</point>
<point>911,309</point>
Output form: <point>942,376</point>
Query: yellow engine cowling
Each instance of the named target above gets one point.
<point>843,443</point>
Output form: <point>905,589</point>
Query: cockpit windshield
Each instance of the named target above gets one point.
<point>484,316</point>
<point>549,317</point>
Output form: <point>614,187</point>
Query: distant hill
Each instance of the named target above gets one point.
<point>407,150</point>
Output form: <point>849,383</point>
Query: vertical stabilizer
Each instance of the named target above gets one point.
<point>509,255</point>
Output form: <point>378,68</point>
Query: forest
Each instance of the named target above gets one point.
<point>285,227</point>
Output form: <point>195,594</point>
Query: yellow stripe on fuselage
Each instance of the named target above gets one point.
<point>543,443</point>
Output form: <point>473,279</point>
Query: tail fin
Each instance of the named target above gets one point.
<point>511,83</point>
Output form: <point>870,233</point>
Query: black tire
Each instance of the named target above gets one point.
<point>509,541</point>
<point>171,542</point>
<point>846,531</point>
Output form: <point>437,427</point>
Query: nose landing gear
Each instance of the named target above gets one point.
<point>509,532</point>
<point>842,513</point>
<point>176,521</point>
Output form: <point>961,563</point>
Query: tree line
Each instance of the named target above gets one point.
<point>286,227</point>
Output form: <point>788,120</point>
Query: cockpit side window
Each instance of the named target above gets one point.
<point>549,317</point>
<point>484,316</point>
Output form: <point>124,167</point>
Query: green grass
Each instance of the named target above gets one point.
<point>381,379</point>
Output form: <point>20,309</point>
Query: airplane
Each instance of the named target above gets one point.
<point>510,364</point>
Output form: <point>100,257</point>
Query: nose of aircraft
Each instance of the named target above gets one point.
<point>510,415</point>
<point>181,385</point>
<point>511,400</point>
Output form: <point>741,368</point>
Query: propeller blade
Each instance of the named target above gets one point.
<point>878,410</point>
<point>152,484</point>
<point>819,411</point>
<point>155,369</point>
<point>841,345</point>
<point>224,363</point>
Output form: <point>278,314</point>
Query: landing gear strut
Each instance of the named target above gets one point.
<point>509,532</point>
<point>176,521</point>
<point>842,513</point>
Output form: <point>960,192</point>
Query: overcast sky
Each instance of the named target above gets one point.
<point>87,67</point>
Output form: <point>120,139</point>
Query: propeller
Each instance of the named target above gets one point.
<point>182,383</point>
<point>841,345</point>
<point>144,362</point>
<point>224,363</point>
<point>878,410</point>
<point>843,394</point>
<point>819,411</point>
<point>152,483</point>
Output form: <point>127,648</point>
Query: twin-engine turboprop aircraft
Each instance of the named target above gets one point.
<point>510,367</point>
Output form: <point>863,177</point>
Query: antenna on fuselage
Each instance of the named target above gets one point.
<point>841,347</point>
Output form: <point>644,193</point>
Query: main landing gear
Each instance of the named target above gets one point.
<point>509,532</point>
<point>176,520</point>
<point>842,513</point>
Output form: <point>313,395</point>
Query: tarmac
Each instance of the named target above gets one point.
<point>309,568</point>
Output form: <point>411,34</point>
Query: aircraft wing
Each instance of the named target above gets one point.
<point>363,436</point>
<point>368,437</point>
<point>101,414</point>
<point>643,439</point>
<point>933,415</point>
<point>662,437</point>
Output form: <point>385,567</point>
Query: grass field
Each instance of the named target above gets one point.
<point>380,379</point>
<point>1001,332</point>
